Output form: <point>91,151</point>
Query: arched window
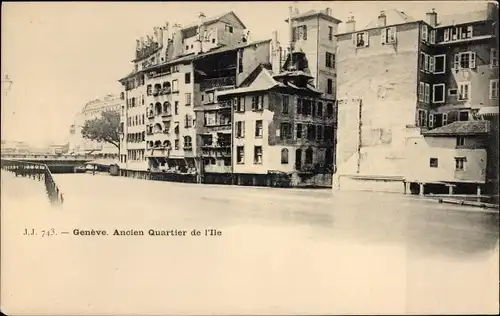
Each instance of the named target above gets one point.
<point>187,142</point>
<point>167,144</point>
<point>166,108</point>
<point>158,108</point>
<point>157,128</point>
<point>309,155</point>
<point>157,144</point>
<point>298,158</point>
<point>149,88</point>
<point>166,87</point>
<point>157,89</point>
<point>150,144</point>
<point>284,156</point>
<point>122,96</point>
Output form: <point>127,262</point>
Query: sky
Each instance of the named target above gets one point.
<point>61,55</point>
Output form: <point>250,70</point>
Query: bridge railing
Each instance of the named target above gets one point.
<point>36,171</point>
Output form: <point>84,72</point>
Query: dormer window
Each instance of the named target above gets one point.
<point>229,28</point>
<point>388,35</point>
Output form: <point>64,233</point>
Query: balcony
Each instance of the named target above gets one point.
<point>216,83</point>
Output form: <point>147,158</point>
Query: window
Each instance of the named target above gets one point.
<point>319,109</point>
<point>433,162</point>
<point>421,88</point>
<point>299,106</point>
<point>329,109</point>
<point>298,127</point>
<point>438,93</point>
<point>425,33</point>
<point>330,33</point>
<point>427,92</point>
<point>465,60</point>
<point>439,64</point>
<point>210,97</point>
<point>464,91</point>
<point>187,77</point>
<point>329,86</point>
<point>240,129</point>
<point>286,102</point>
<point>176,144</point>
<point>176,107</point>
<point>188,98</point>
<point>257,155</point>
<point>330,60</point>
<point>309,155</point>
<point>298,158</point>
<point>460,163</point>
<point>187,142</point>
<point>452,92</point>
<point>494,89</point>
<point>432,37</point>
<point>361,39</point>
<point>494,57</point>
<point>460,141</point>
<point>149,89</point>
<point>258,128</point>
<point>209,119</point>
<point>285,130</point>
<point>175,85</point>
<point>188,121</point>
<point>229,28</point>
<point>240,104</point>
<point>388,35</point>
<point>319,132</point>
<point>299,32</point>
<point>465,31</point>
<point>257,103</point>
<point>426,62</point>
<point>240,154</point>
<point>446,35</point>
<point>240,61</point>
<point>284,156</point>
<point>422,118</point>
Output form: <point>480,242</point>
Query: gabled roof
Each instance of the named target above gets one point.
<point>313,13</point>
<point>393,16</point>
<point>462,18</point>
<point>460,128</point>
<point>262,81</point>
<point>216,18</point>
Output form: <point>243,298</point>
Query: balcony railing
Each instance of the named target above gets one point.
<point>35,171</point>
<point>215,83</point>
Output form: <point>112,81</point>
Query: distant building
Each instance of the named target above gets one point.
<point>92,110</point>
<point>400,78</point>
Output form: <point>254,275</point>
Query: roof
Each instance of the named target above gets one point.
<point>393,16</point>
<point>488,110</point>
<point>312,13</point>
<point>214,19</point>
<point>103,162</point>
<point>263,80</point>
<point>460,128</point>
<point>462,18</point>
<point>192,56</point>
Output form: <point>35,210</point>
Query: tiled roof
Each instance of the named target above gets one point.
<point>213,19</point>
<point>462,18</point>
<point>392,17</point>
<point>311,13</point>
<point>460,128</point>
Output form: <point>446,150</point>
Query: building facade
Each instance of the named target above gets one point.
<point>93,110</point>
<point>400,76</point>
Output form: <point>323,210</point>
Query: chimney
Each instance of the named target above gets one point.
<point>177,40</point>
<point>350,25</point>
<point>296,11</point>
<point>138,45</point>
<point>431,18</point>
<point>275,54</point>
<point>290,28</point>
<point>328,11</point>
<point>382,19</point>
<point>201,33</point>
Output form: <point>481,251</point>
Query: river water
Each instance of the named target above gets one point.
<point>281,251</point>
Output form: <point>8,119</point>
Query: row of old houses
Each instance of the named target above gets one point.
<point>397,105</point>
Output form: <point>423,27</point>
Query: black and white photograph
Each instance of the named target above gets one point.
<point>249,158</point>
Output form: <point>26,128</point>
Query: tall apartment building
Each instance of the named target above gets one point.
<point>93,109</point>
<point>410,92</point>
<point>167,86</point>
<point>313,33</point>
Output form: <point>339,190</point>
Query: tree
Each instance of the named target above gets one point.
<point>104,129</point>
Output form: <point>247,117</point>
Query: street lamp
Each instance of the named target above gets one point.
<point>6,84</point>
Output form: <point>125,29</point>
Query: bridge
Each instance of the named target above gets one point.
<point>56,163</point>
